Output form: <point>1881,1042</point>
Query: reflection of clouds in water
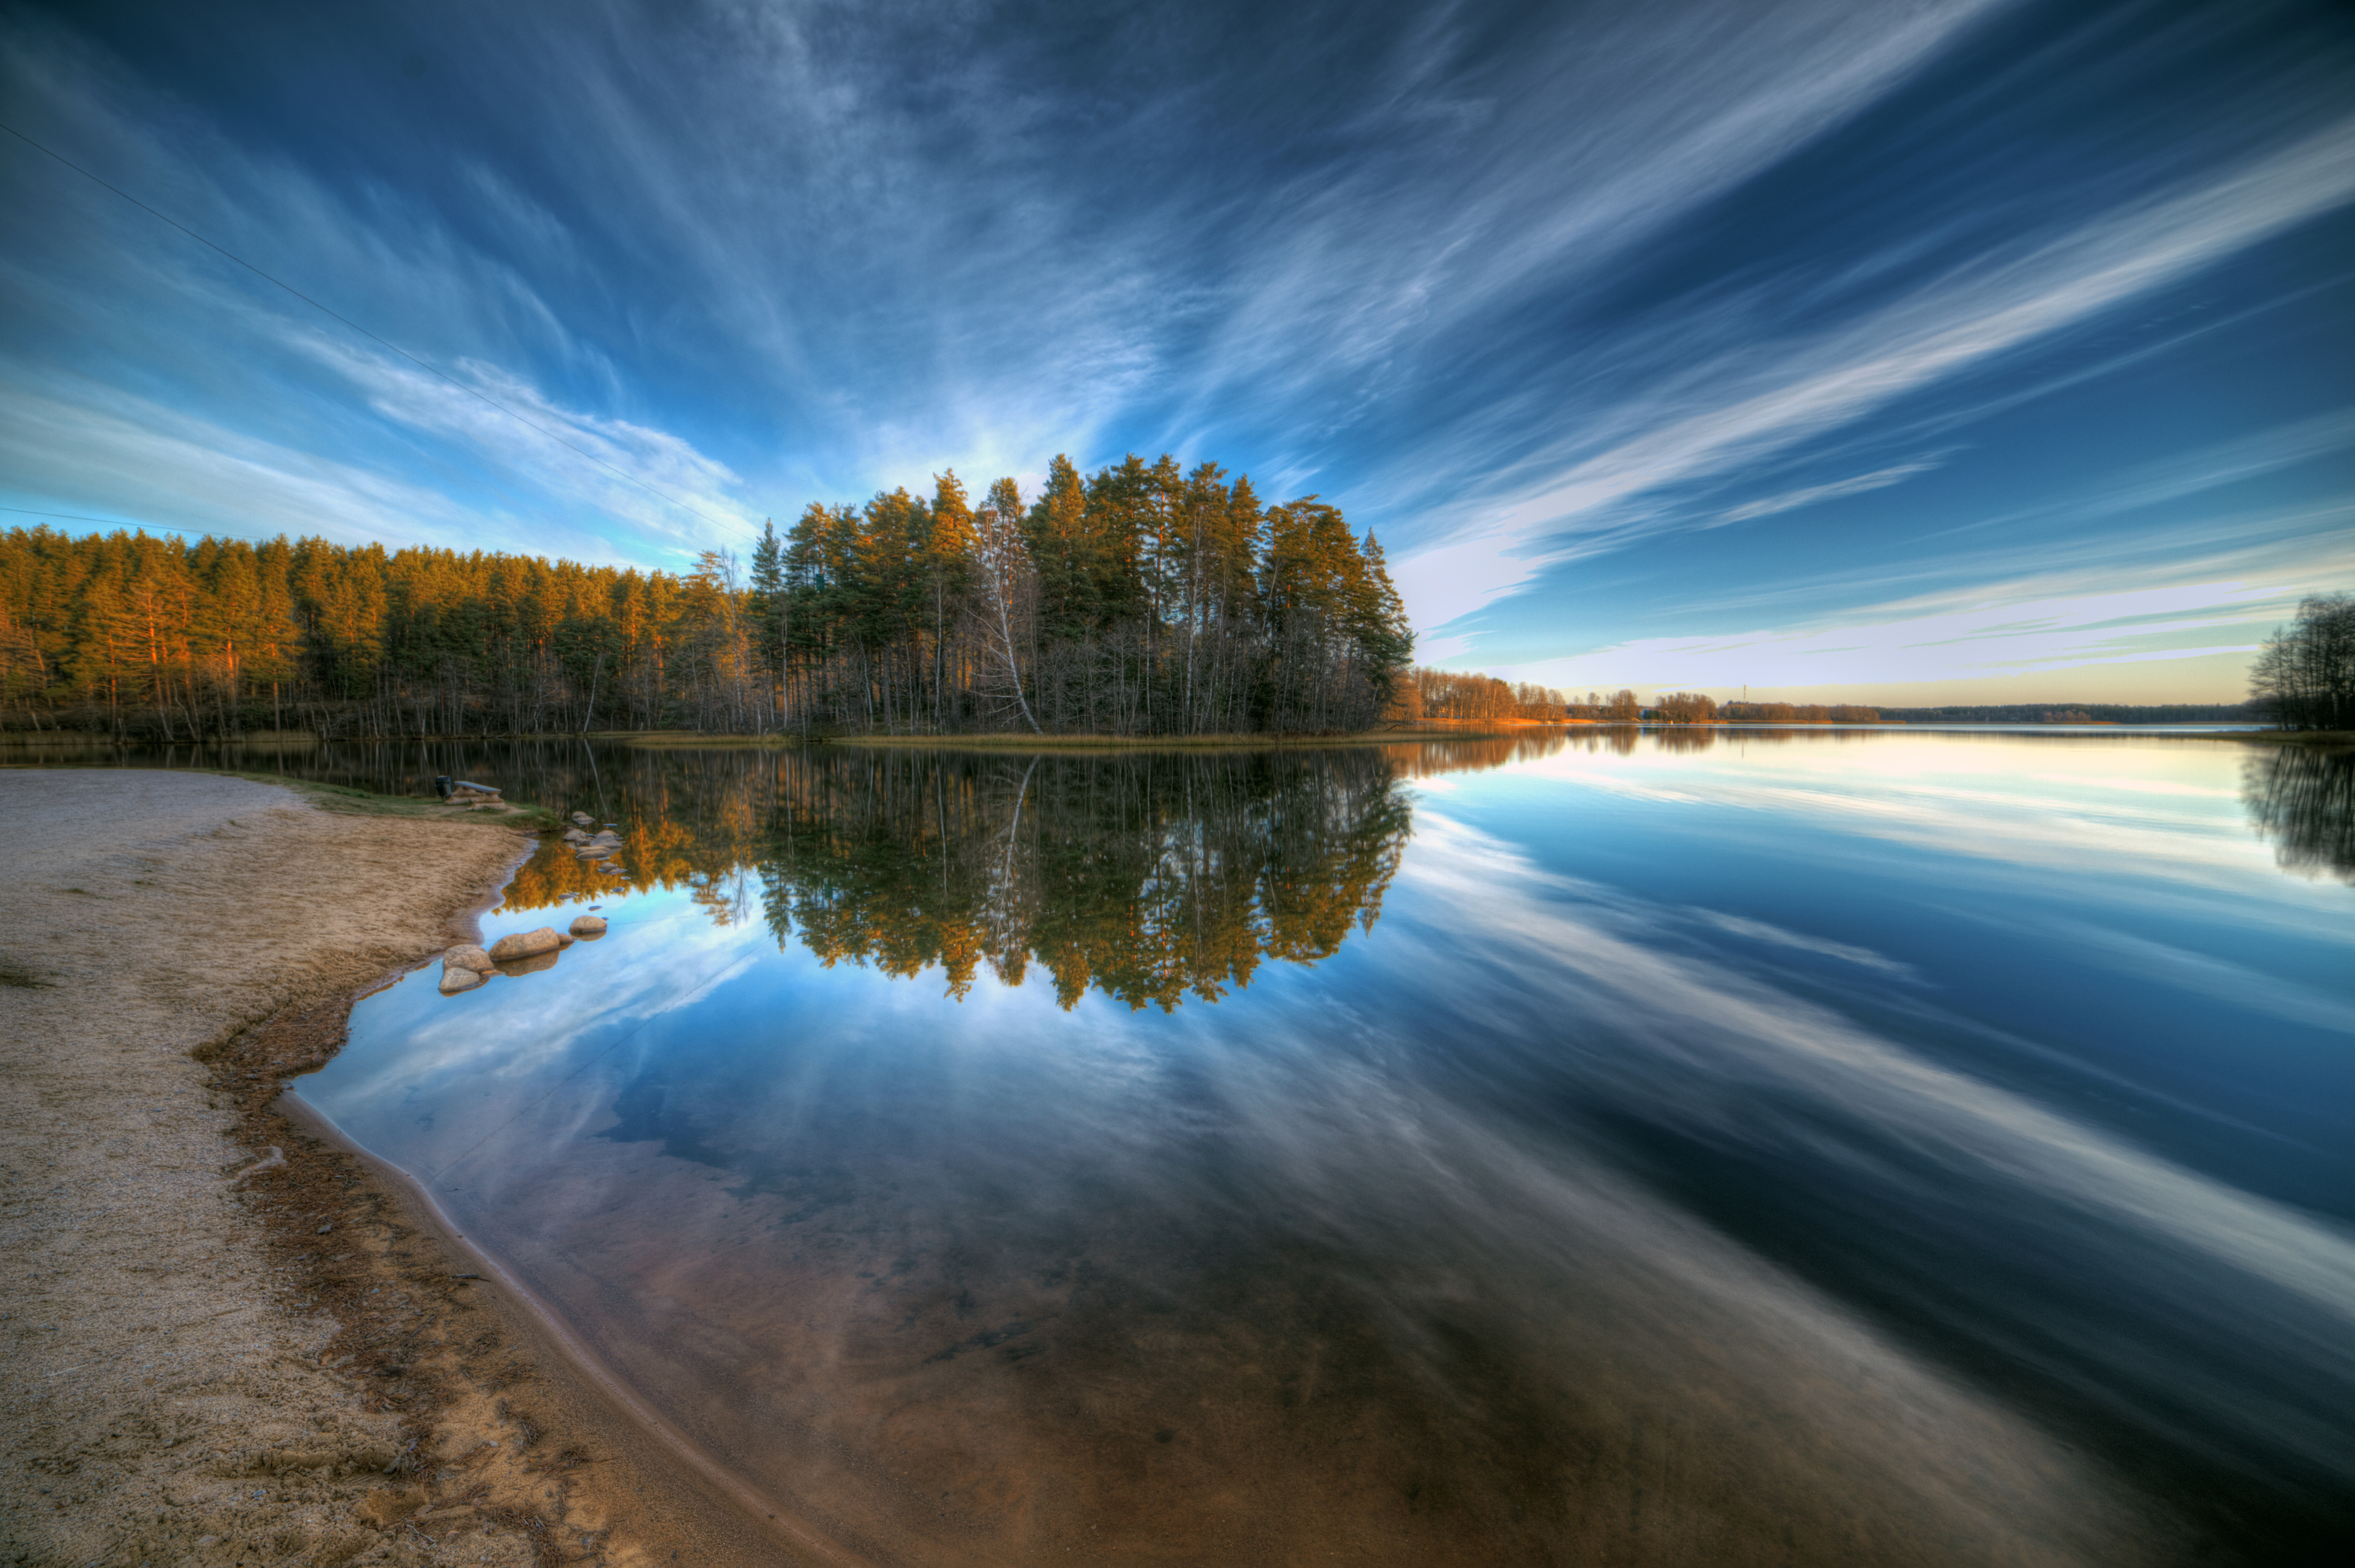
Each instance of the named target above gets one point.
<point>1775,936</point>
<point>1747,1031</point>
<point>2121,784</point>
<point>660,954</point>
<point>1233,1198</point>
<point>1741,1063</point>
<point>1534,1165</point>
<point>1927,796</point>
<point>1585,1276</point>
<point>2164,964</point>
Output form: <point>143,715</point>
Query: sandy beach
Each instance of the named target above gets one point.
<point>228,1341</point>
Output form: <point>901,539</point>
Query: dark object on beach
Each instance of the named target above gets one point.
<point>442,784</point>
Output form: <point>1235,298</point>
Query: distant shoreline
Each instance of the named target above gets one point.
<point>22,742</point>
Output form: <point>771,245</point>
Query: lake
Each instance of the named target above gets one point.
<point>1726,1147</point>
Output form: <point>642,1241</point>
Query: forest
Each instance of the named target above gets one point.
<point>1142,599</point>
<point>2080,712</point>
<point>2304,675</point>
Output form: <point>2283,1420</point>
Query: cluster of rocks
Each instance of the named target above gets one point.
<point>600,846</point>
<point>467,965</point>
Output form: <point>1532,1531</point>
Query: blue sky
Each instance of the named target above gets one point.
<point>1924,352</point>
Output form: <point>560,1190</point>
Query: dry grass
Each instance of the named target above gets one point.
<point>348,800</point>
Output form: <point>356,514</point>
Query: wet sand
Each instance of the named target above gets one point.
<point>228,1340</point>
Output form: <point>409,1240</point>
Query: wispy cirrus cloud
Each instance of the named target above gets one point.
<point>1482,186</point>
<point>2042,634</point>
<point>162,469</point>
<point>1755,403</point>
<point>1523,290</point>
<point>1791,500</point>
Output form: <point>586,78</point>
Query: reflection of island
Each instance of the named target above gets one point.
<point>827,830</point>
<point>2304,799</point>
<point>1143,874</point>
<point>1146,874</point>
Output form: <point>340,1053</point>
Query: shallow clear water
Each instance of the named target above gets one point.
<point>1859,1147</point>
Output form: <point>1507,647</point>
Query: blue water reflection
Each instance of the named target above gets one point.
<point>1909,1148</point>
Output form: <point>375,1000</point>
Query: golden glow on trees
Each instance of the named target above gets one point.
<point>1144,600</point>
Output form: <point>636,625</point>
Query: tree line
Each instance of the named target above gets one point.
<point>1142,599</point>
<point>2304,675</point>
<point>2076,713</point>
<point>1445,695</point>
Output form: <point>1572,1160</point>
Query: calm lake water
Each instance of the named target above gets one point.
<point>1831,1147</point>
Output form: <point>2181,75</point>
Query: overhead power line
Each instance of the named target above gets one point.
<point>395,349</point>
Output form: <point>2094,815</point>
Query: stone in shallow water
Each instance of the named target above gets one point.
<point>467,955</point>
<point>455,980</point>
<point>524,945</point>
<point>588,927</point>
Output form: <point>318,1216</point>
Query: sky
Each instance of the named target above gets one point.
<point>1895,351</point>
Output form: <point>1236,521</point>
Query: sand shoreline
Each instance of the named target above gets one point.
<point>233,1339</point>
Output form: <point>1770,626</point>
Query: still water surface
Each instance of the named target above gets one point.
<point>1869,1147</point>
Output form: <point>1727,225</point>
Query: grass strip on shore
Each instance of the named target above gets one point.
<point>351,801</point>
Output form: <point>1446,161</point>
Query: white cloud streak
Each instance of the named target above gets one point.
<point>1811,387</point>
<point>1792,500</point>
<point>2214,587</point>
<point>1750,1033</point>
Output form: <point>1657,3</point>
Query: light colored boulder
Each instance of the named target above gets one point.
<point>519,945</point>
<point>588,927</point>
<point>467,955</point>
<point>583,819</point>
<point>455,980</point>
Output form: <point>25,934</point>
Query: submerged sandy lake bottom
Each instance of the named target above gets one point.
<point>1873,1148</point>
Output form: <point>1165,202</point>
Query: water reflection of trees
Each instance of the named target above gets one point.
<point>2304,801</point>
<point>1144,874</point>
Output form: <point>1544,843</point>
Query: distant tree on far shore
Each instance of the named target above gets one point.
<point>1785,713</point>
<point>1685,707</point>
<point>1453,694</point>
<point>2304,675</point>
